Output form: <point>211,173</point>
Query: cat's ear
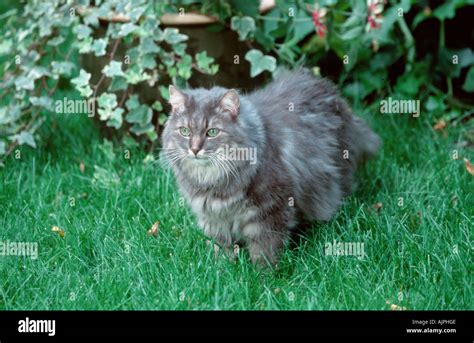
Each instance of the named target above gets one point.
<point>230,103</point>
<point>177,99</point>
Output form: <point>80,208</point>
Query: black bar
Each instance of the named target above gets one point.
<point>229,324</point>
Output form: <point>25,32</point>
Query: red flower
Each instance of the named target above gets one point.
<point>374,18</point>
<point>319,18</point>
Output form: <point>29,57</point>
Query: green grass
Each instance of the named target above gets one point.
<point>107,261</point>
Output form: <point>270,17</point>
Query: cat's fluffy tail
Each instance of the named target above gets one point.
<point>366,141</point>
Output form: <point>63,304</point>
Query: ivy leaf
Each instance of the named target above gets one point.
<point>118,84</point>
<point>141,115</point>
<point>56,41</point>
<point>147,61</point>
<point>445,11</point>
<point>147,45</point>
<point>172,36</point>
<point>37,72</point>
<point>107,149</point>
<point>9,114</point>
<point>352,33</point>
<point>99,45</point>
<point>435,103</point>
<point>62,67</point>
<point>139,130</point>
<point>468,85</point>
<point>82,83</point>
<point>81,80</point>
<point>116,119</point>
<point>92,18</point>
<point>244,26</point>
<point>135,74</point>
<point>303,27</point>
<point>4,115</point>
<point>136,13</point>
<point>179,49</point>
<point>5,46</point>
<point>129,142</point>
<point>260,62</point>
<point>44,25</point>
<point>127,28</point>
<point>82,31</point>
<point>164,92</point>
<point>27,81</point>
<point>184,67</point>
<point>85,91</point>
<point>25,137</point>
<point>42,101</point>
<point>157,106</point>
<point>133,53</point>
<point>150,23</point>
<point>249,8</point>
<point>152,135</point>
<point>264,39</point>
<point>107,100</point>
<point>204,61</point>
<point>114,68</point>
<point>270,25</point>
<point>104,177</point>
<point>105,113</point>
<point>465,56</point>
<point>162,118</point>
<point>132,102</point>
<point>24,82</point>
<point>410,83</point>
<point>85,45</point>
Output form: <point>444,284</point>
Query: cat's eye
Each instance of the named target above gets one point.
<point>184,131</point>
<point>212,132</point>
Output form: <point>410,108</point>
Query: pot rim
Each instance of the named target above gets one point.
<point>191,18</point>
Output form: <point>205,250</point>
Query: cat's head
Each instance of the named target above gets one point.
<point>203,125</point>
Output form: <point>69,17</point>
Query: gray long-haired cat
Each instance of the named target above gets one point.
<point>253,166</point>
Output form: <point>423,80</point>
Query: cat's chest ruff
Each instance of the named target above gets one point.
<point>223,213</point>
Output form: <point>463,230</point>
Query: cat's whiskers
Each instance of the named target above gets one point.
<point>171,156</point>
<point>222,167</point>
<point>225,160</point>
<point>215,165</point>
<point>161,155</point>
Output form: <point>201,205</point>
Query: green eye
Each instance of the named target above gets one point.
<point>212,132</point>
<point>184,131</point>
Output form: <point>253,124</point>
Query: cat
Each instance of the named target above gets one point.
<point>307,144</point>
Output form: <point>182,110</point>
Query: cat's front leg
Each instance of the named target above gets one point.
<point>264,244</point>
<point>220,238</point>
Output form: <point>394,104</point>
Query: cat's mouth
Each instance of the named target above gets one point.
<point>200,155</point>
<point>199,159</point>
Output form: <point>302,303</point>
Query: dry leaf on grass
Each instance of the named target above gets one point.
<point>59,231</point>
<point>469,166</point>
<point>395,307</point>
<point>440,124</point>
<point>454,199</point>
<point>82,167</point>
<point>154,229</point>
<point>378,206</point>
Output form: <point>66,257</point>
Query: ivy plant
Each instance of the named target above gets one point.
<point>40,50</point>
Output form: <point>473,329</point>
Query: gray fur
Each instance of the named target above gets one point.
<point>299,126</point>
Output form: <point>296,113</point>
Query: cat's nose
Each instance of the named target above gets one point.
<point>195,150</point>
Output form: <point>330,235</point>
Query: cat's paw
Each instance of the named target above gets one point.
<point>231,253</point>
<point>259,257</point>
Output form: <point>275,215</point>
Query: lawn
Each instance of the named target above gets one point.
<point>417,244</point>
